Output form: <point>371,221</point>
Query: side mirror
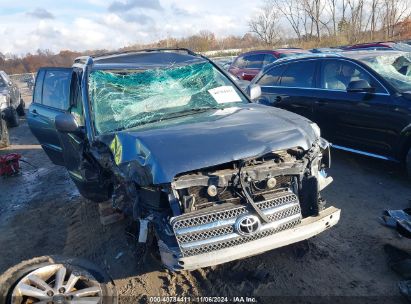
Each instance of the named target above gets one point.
<point>254,91</point>
<point>358,86</point>
<point>66,123</point>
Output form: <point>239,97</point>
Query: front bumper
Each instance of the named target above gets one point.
<point>308,227</point>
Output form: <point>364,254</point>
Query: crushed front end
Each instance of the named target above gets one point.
<point>246,207</point>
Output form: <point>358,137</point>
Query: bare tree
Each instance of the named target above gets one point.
<point>374,11</point>
<point>314,9</point>
<point>393,12</point>
<point>293,12</point>
<point>266,25</point>
<point>332,8</point>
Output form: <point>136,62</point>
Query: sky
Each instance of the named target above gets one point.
<point>27,25</point>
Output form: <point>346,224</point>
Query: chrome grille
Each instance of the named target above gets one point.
<point>185,238</point>
<point>195,220</point>
<point>198,233</point>
<point>238,241</point>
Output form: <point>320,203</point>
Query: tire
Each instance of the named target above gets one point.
<point>12,117</point>
<point>408,163</point>
<point>87,275</point>
<point>21,108</point>
<point>93,191</point>
<point>4,133</point>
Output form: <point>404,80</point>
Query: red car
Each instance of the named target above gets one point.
<point>247,65</point>
<point>388,45</point>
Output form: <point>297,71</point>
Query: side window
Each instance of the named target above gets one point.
<point>38,87</point>
<point>271,77</point>
<point>56,89</point>
<point>268,58</point>
<point>240,63</point>
<point>337,74</point>
<point>299,74</point>
<point>254,61</point>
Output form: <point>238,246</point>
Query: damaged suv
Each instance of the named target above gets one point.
<point>172,141</point>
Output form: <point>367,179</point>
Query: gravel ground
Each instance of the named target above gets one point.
<point>41,213</point>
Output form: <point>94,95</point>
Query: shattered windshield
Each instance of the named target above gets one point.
<point>395,68</point>
<point>123,99</point>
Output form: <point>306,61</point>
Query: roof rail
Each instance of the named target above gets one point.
<point>190,52</point>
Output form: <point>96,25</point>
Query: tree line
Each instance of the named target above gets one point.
<point>331,22</point>
<point>201,42</point>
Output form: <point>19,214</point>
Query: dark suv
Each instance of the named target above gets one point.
<point>172,141</point>
<point>361,100</point>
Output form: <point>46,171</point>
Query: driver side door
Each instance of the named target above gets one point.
<point>361,121</point>
<point>50,98</point>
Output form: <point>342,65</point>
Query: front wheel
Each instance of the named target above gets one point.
<point>52,279</point>
<point>21,107</point>
<point>12,117</point>
<point>94,191</point>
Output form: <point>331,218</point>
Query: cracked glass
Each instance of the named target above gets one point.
<point>395,68</point>
<point>123,99</point>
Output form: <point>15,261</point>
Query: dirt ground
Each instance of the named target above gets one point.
<point>41,213</point>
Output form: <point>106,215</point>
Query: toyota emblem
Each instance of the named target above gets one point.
<point>247,225</point>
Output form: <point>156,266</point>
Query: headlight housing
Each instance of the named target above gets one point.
<point>4,102</point>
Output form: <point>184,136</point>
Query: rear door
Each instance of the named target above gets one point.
<point>291,86</point>
<point>51,97</point>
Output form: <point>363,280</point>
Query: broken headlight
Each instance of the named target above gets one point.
<point>316,129</point>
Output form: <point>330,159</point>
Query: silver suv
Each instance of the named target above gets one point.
<point>11,106</point>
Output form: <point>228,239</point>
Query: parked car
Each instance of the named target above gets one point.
<point>380,46</point>
<point>224,62</point>
<point>177,146</point>
<point>11,107</point>
<point>247,65</point>
<point>361,100</point>
<point>326,50</point>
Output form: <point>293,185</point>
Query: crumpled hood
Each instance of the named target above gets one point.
<point>158,154</point>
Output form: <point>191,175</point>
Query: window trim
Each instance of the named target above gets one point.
<point>387,93</point>
<point>42,88</point>
<point>34,91</point>
<point>269,70</point>
<point>318,73</point>
<point>328,90</point>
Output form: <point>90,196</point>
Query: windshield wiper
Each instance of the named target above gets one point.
<point>166,116</point>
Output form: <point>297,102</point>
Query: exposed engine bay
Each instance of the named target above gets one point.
<point>230,204</point>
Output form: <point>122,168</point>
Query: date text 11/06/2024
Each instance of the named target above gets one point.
<point>203,299</point>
